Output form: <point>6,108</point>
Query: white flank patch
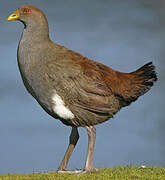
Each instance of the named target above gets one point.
<point>60,109</point>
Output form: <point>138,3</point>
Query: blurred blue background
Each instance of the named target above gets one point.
<point>121,34</point>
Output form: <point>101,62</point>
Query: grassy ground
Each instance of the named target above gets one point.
<point>119,173</point>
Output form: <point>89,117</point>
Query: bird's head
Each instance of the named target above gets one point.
<point>28,15</point>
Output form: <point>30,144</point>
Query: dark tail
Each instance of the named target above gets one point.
<point>136,84</point>
<point>145,77</point>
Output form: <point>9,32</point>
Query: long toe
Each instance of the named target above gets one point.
<point>71,171</point>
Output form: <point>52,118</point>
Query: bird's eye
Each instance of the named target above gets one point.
<point>27,10</point>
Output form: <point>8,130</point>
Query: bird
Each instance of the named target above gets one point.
<point>70,87</point>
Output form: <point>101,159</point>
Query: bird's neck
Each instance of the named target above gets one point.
<point>38,34</point>
<point>34,39</point>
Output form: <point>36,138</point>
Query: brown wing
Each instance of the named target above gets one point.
<point>101,82</point>
<point>93,101</point>
<point>127,87</point>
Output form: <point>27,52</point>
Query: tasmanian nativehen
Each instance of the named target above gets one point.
<point>70,87</point>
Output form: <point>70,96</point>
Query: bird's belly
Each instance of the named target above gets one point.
<point>46,96</point>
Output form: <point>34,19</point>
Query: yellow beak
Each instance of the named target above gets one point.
<point>14,16</point>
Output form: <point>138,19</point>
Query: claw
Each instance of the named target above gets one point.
<point>84,171</point>
<point>70,172</point>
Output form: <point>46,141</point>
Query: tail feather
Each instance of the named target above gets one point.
<point>136,83</point>
<point>146,76</point>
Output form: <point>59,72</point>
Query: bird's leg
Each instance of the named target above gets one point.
<point>91,130</point>
<point>74,136</point>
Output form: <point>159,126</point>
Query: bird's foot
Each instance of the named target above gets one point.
<point>84,171</point>
<point>90,169</point>
<point>70,171</point>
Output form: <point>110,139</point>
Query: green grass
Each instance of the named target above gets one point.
<point>118,173</point>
